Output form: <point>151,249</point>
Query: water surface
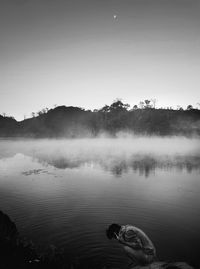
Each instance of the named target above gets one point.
<point>66,192</point>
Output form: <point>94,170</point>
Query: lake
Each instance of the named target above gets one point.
<point>66,192</point>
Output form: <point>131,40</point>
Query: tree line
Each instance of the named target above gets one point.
<point>144,118</point>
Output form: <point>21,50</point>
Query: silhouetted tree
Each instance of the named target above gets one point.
<point>118,106</point>
<point>105,109</point>
<point>189,107</point>
<point>179,108</point>
<point>147,103</point>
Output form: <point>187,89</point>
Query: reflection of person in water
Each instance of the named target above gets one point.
<point>135,242</point>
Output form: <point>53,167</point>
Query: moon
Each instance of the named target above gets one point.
<point>115,16</point>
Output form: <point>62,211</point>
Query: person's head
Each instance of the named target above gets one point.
<point>112,230</point>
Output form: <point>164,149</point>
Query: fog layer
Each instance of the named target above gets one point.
<point>117,155</point>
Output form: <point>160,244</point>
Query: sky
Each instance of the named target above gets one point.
<point>87,53</point>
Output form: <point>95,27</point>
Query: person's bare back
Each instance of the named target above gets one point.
<point>135,242</point>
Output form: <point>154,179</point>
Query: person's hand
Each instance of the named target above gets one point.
<point>148,251</point>
<point>117,237</point>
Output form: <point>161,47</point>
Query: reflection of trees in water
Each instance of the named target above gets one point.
<point>144,165</point>
<point>63,163</point>
<point>118,169</point>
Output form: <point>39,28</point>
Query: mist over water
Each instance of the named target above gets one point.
<point>66,192</point>
<point>117,155</point>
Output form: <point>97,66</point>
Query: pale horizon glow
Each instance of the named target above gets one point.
<point>88,53</point>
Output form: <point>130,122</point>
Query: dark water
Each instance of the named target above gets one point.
<point>66,192</point>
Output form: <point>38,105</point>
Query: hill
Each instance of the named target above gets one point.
<point>74,122</point>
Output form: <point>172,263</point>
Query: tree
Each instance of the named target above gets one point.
<point>39,113</point>
<point>179,108</point>
<point>42,111</point>
<point>119,106</point>
<point>105,109</point>
<point>147,103</point>
<point>189,107</point>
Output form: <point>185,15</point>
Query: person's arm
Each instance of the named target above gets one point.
<point>132,245</point>
<point>129,238</point>
<point>148,250</point>
<point>146,247</point>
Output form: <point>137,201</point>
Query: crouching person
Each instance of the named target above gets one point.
<point>135,242</point>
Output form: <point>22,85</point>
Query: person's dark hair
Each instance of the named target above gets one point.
<point>112,230</point>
